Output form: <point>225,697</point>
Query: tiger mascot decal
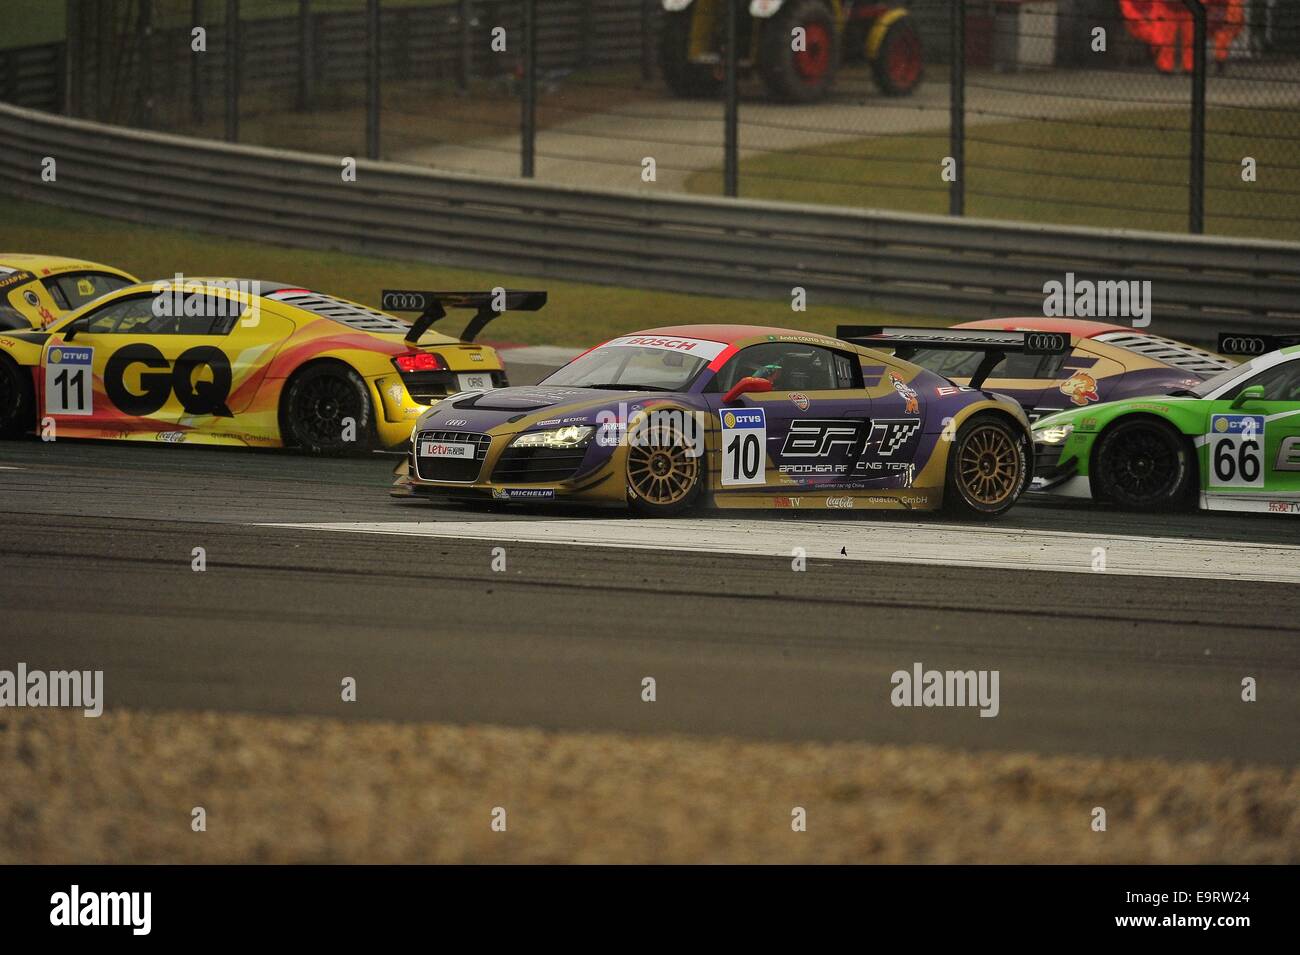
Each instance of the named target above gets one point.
<point>908,394</point>
<point>1081,388</point>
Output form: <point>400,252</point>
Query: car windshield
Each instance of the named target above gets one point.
<point>75,289</point>
<point>634,367</point>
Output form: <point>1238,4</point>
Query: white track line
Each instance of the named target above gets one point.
<point>893,542</point>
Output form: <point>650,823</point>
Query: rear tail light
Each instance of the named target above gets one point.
<point>420,361</point>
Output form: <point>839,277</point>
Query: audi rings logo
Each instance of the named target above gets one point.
<point>403,301</point>
<point>1242,345</point>
<point>1046,343</point>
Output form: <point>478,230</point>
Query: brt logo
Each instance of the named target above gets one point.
<point>196,397</point>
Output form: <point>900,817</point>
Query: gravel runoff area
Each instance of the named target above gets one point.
<point>122,788</point>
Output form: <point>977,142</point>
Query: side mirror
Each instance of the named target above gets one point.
<point>746,386</point>
<point>1247,395</point>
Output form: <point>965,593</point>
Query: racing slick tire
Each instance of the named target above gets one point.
<point>663,478</point>
<point>317,403</point>
<point>899,64</point>
<point>1142,465</point>
<point>803,77</point>
<point>988,468</point>
<point>685,79</point>
<point>17,400</point>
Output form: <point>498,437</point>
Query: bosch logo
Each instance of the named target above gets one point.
<point>403,302</point>
<point>1242,345</point>
<point>1045,343</point>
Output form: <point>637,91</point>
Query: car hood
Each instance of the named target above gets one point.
<point>533,406</point>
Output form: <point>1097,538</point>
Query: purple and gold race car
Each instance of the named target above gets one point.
<point>738,416</point>
<point>1104,363</point>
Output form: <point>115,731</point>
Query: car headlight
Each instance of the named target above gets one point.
<point>570,436</point>
<point>1054,434</point>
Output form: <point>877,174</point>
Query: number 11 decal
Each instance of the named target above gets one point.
<point>68,385</point>
<point>744,446</point>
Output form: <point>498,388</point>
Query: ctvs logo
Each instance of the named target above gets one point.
<point>196,397</point>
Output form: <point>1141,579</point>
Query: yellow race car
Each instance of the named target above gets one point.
<point>38,290</point>
<point>227,361</point>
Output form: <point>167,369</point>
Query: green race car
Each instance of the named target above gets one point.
<point>1230,443</point>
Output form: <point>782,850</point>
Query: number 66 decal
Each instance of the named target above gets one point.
<point>1236,446</point>
<point>744,446</point>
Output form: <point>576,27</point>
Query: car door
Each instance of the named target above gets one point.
<point>808,431</point>
<point>1253,443</point>
<point>157,361</point>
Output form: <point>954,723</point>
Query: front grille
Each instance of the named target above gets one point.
<point>1048,464</point>
<point>537,465</point>
<point>426,387</point>
<point>457,470</point>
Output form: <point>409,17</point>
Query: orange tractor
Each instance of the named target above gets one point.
<point>796,46</point>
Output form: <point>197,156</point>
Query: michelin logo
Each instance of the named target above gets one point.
<point>523,493</point>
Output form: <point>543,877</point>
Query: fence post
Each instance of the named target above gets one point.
<point>1196,176</point>
<point>145,79</point>
<point>306,54</point>
<point>647,40</point>
<point>528,120</point>
<point>731,92</point>
<point>464,15</point>
<point>232,71</point>
<point>957,108</point>
<point>373,79</point>
<point>196,66</point>
<point>70,31</point>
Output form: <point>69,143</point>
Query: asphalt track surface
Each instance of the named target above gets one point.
<point>96,544</point>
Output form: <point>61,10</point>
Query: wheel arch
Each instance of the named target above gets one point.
<point>304,367</point>
<point>26,377</point>
<point>1186,438</point>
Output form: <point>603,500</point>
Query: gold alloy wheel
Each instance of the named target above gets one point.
<point>662,474</point>
<point>989,466</point>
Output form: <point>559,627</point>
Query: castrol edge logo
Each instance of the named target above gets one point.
<point>687,346</point>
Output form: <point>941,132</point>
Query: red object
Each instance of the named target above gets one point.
<point>1077,327</point>
<point>419,361</point>
<point>813,62</point>
<point>1167,25</point>
<point>744,387</point>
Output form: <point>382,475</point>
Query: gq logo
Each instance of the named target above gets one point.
<point>196,397</point>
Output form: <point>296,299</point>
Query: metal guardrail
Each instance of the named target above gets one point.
<point>958,268</point>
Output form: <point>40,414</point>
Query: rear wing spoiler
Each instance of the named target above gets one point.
<point>1249,344</point>
<point>995,345</point>
<point>433,306</point>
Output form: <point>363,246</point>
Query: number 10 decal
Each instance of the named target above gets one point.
<point>68,386</point>
<point>744,446</point>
